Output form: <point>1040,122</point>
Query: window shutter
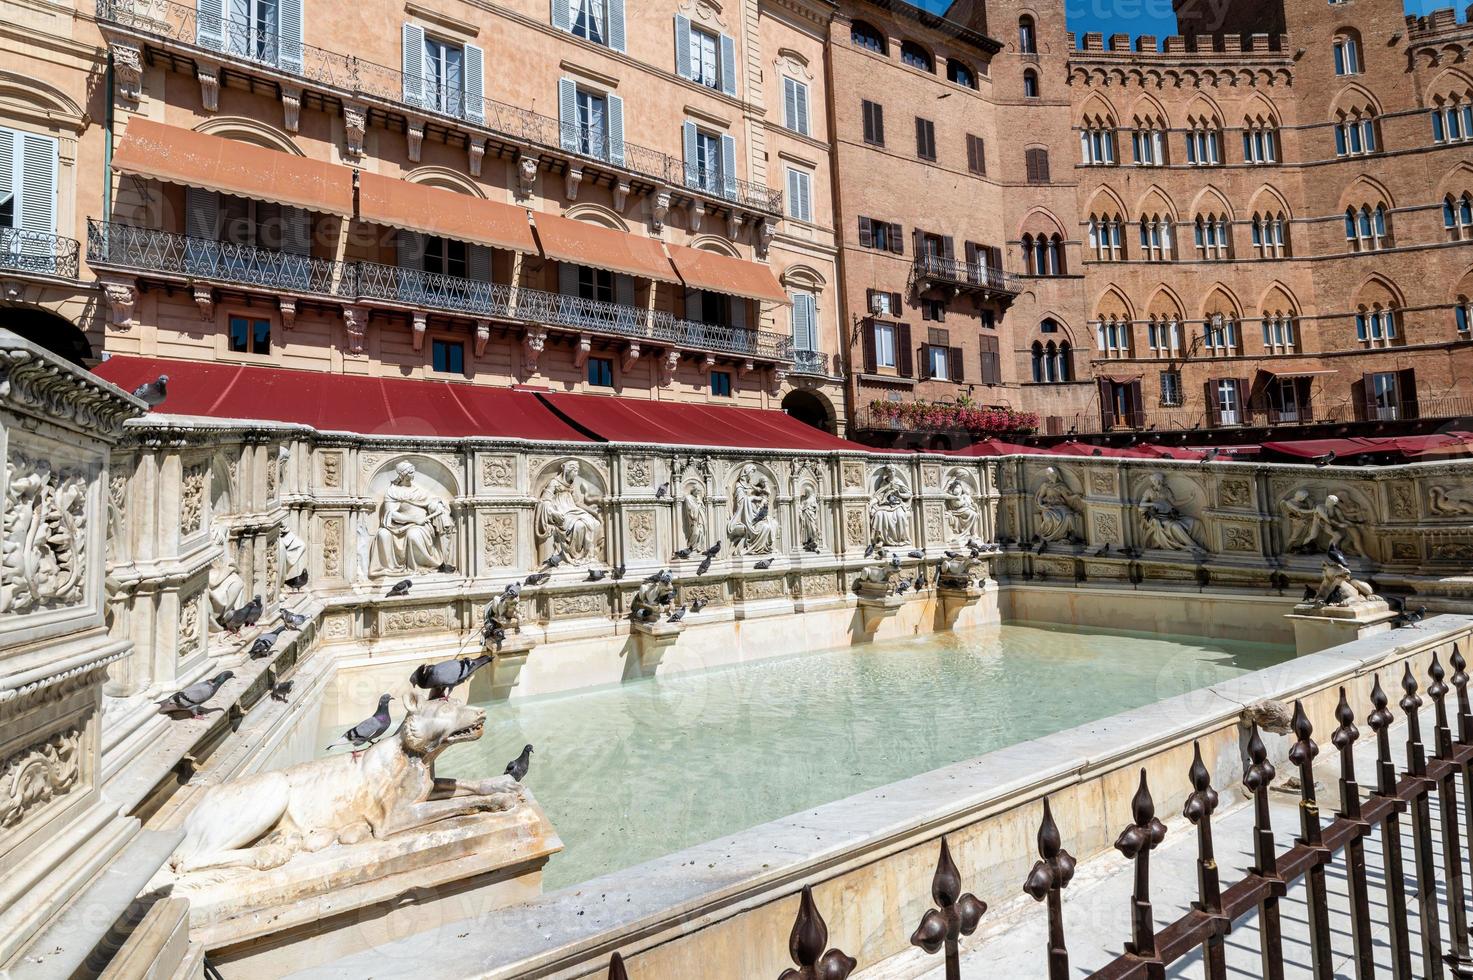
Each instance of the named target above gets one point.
<point>736,309</point>
<point>1406,392</point>
<point>567,279</point>
<point>867,336</point>
<point>616,25</point>
<point>957,367</point>
<point>1214,413</point>
<point>692,177</point>
<point>475,85</point>
<point>201,214</point>
<point>925,368</point>
<point>296,231</point>
<point>790,103</point>
<point>894,304</point>
<point>728,66</point>
<point>37,184</point>
<point>991,366</point>
<point>728,165</point>
<point>414,68</point>
<point>866,230</point>
<point>794,204</point>
<point>1134,401</point>
<point>948,247</point>
<point>802,101</point>
<point>925,310</point>
<point>7,166</point>
<point>478,262</point>
<point>869,300</point>
<point>804,310</point>
<point>616,129</point>
<point>562,15</point>
<point>682,48</point>
<point>209,24</point>
<point>1107,405</point>
<point>903,353</point>
<point>896,245</point>
<point>411,249</point>
<point>567,110</point>
<point>289,34</point>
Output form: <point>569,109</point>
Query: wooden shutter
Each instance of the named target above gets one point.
<point>562,15</point>
<point>289,34</point>
<point>925,368</point>
<point>209,24</point>
<point>692,174</point>
<point>991,366</point>
<point>201,214</point>
<point>410,247</point>
<point>1107,405</point>
<point>1133,398</point>
<point>894,304</point>
<point>957,368</point>
<point>728,65</point>
<point>948,247</point>
<point>790,103</point>
<point>1406,393</point>
<point>896,245</point>
<point>35,179</point>
<point>802,102</point>
<point>1214,412</point>
<point>904,361</point>
<point>475,85</point>
<point>616,128</point>
<point>567,110</point>
<point>867,338</point>
<point>616,25</point>
<point>9,140</point>
<point>414,64</point>
<point>866,232</point>
<point>728,165</point>
<point>683,66</point>
<point>478,263</point>
<point>623,289</point>
<point>296,231</point>
<point>1363,393</point>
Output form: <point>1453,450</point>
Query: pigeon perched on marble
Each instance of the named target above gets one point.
<point>369,730</point>
<point>153,392</point>
<point>297,582</point>
<point>191,699</point>
<point>266,641</point>
<point>293,621</point>
<point>517,768</point>
<point>400,588</point>
<point>442,678</point>
<point>237,619</point>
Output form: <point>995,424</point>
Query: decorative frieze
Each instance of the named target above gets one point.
<point>1235,493</point>
<point>44,533</point>
<point>498,540</point>
<point>39,773</point>
<point>579,605</point>
<point>498,472</point>
<point>331,467</point>
<point>192,498</point>
<point>417,620</point>
<point>332,547</point>
<point>642,535</point>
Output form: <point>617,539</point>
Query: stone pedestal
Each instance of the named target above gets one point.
<point>953,599</point>
<point>1318,627</point>
<point>506,669</point>
<point>651,640</point>
<point>876,603</point>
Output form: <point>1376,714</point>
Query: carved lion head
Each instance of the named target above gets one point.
<point>434,724</point>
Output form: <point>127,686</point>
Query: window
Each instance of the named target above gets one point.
<point>1355,133</point>
<point>1213,235</point>
<point>1155,234</point>
<point>1452,120</point>
<point>862,35</point>
<point>1048,326</point>
<point>1260,142</point>
<point>1043,255</point>
<point>721,384</point>
<point>1163,336</point>
<point>1463,317</point>
<point>1457,217</point>
<point>445,256</point>
<point>447,356</point>
<point>1171,389</point>
<point>601,372</point>
<point>1106,237</point>
<point>960,74</point>
<point>704,61</point>
<point>925,139</point>
<point>1052,362</point>
<point>1278,333</point>
<point>1383,396</point>
<point>598,21</point>
<point>937,362</point>
<point>1366,229</point>
<point>588,19</point>
<point>874,122</point>
<point>1148,145</point>
<point>592,136</point>
<point>1036,160</point>
<point>1228,404</point>
<point>795,105</point>
<point>1204,147</point>
<point>976,155</point>
<point>1220,335</point>
<point>704,57</point>
<point>885,346</point>
<point>1097,144</point>
<point>1112,336</point>
<point>252,29</point>
<point>250,335</point>
<point>800,194</point>
<point>1347,56</point>
<point>933,309</point>
<point>1375,326</point>
<point>1270,235</point>
<point>595,284</point>
<point>442,76</point>
<point>915,56</point>
<point>883,235</point>
<point>882,303</point>
<point>804,319</point>
<point>991,360</point>
<point>28,170</point>
<point>706,157</point>
<point>1027,36</point>
<point>262,30</point>
<point>1030,83</point>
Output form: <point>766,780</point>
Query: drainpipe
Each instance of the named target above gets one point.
<point>107,146</point>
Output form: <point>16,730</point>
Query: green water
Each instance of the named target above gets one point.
<point>646,768</point>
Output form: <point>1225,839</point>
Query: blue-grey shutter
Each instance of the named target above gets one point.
<point>37,184</point>
<point>728,165</point>
<point>728,64</point>
<point>804,313</point>
<point>624,289</point>
<point>475,86</point>
<point>202,227</point>
<point>7,165</point>
<point>567,278</point>
<point>790,103</point>
<point>414,64</point>
<point>616,25</point>
<point>562,15</point>
<point>478,262</point>
<point>296,231</point>
<point>682,46</point>
<point>289,29</point>
<point>209,24</point>
<point>692,175</point>
<point>802,107</point>
<point>567,110</point>
<point>239,28</point>
<point>616,129</point>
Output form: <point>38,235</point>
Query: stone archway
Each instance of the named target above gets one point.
<point>810,408</point>
<point>49,330</point>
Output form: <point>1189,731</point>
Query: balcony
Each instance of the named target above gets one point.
<point>935,272</point>
<point>143,251</point>
<point>811,362</point>
<point>354,79</point>
<point>38,253</point>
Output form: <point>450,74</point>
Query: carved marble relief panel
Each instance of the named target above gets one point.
<point>1235,493</point>
<point>642,535</point>
<point>330,466</point>
<point>192,500</point>
<point>579,605</point>
<point>417,620</point>
<point>498,472</point>
<point>43,771</point>
<point>45,534</point>
<point>191,616</point>
<point>853,474</point>
<point>498,540</point>
<point>332,547</point>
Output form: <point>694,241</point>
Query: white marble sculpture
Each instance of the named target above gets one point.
<point>889,508</point>
<point>963,519</point>
<point>566,518</point>
<point>810,528</point>
<point>752,528</point>
<point>1058,507</point>
<point>1165,526</point>
<point>1331,523</point>
<point>505,610</point>
<point>225,583</point>
<point>43,563</point>
<point>414,527</point>
<point>293,554</point>
<point>261,821</point>
<point>959,572</point>
<point>1452,501</point>
<point>653,598</point>
<point>1338,588</point>
<point>693,517</point>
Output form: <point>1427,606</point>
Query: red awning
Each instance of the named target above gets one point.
<point>682,423</point>
<point>337,402</point>
<point>1084,449</point>
<point>437,211</point>
<point>1435,445</point>
<point>997,447</point>
<point>1343,448</point>
<point>701,268</point>
<point>585,243</point>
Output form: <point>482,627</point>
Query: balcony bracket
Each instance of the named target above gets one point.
<point>288,306</point>
<point>483,336</point>
<point>705,364</point>
<point>209,86</point>
<point>355,124</point>
<point>659,208</point>
<point>571,180</point>
<point>776,381</point>
<point>746,368</point>
<point>733,224</point>
<point>527,167</point>
<point>631,357</point>
<point>581,350</point>
<point>128,70</point>
<point>121,296</point>
<point>291,107</point>
<point>355,318</point>
<point>695,211</point>
<point>421,321</point>
<point>477,151</point>
<point>668,364</point>
<point>766,232</point>
<point>621,195</point>
<point>204,298</point>
<point>533,341</point>
<point>415,133</point>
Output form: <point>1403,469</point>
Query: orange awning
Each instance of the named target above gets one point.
<point>584,243</point>
<point>437,211</point>
<point>213,163</point>
<point>700,269</point>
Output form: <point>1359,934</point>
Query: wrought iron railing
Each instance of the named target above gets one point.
<point>1399,811</point>
<point>964,274</point>
<point>147,250</point>
<point>38,253</point>
<point>811,362</point>
<point>365,79</point>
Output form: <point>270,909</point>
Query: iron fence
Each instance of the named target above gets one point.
<point>811,362</point>
<point>1438,886</point>
<point>164,252</point>
<point>964,273</point>
<point>38,253</point>
<point>365,79</point>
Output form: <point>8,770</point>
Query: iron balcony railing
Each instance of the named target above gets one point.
<point>357,77</point>
<point>811,362</point>
<point>961,273</point>
<point>147,250</point>
<point>38,252</point>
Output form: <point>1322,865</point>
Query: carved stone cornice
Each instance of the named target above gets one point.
<point>34,381</point>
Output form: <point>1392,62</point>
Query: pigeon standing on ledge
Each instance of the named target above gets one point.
<point>704,566</point>
<point>296,582</point>
<point>247,615</point>
<point>401,587</point>
<point>153,392</point>
<point>280,691</point>
<point>764,563</point>
<point>676,615</point>
<point>442,678</point>
<point>713,551</point>
<point>369,730</point>
<point>293,621</point>
<point>537,578</point>
<point>266,641</point>
<point>192,698</point>
<point>517,768</point>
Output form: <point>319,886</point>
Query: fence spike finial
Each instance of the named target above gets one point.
<point>806,946</point>
<point>956,914</point>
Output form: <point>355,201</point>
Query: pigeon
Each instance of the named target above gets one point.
<point>596,574</point>
<point>1309,593</point>
<point>676,615</point>
<point>683,553</point>
<point>1325,460</point>
<point>246,615</point>
<point>618,572</point>
<point>537,578</point>
<point>956,554</point>
<point>280,691</point>
<point>662,491</point>
<point>699,604</point>
<point>1336,555</point>
<point>296,582</point>
<point>265,642</point>
<point>655,577</point>
<point>713,551</point>
<point>704,566</point>
<point>921,580</point>
<point>870,549</point>
<point>445,568</point>
<point>153,392</point>
<point>903,586</point>
<point>442,678</point>
<point>401,587</point>
<point>517,768</point>
<point>512,589</point>
<point>916,554</point>
<point>764,563</point>
<point>192,698</point>
<point>553,560</point>
<point>810,546</point>
<point>1210,455</point>
<point>293,621</point>
<point>369,730</point>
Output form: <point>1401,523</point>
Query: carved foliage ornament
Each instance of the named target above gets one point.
<point>38,774</point>
<point>332,547</point>
<point>498,540</point>
<point>192,499</point>
<point>61,393</point>
<point>498,471</point>
<point>44,560</point>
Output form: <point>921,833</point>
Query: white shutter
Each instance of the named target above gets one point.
<point>478,262</point>
<point>616,129</point>
<point>567,278</point>
<point>802,108</point>
<point>790,103</point>
<point>728,165</point>
<point>567,110</point>
<point>682,47</point>
<point>296,231</point>
<point>616,25</point>
<point>240,29</point>
<point>289,29</point>
<point>475,88</point>
<point>414,64</point>
<point>623,289</point>
<point>728,64</point>
<point>7,165</point>
<point>209,24</point>
<point>793,197</point>
<point>562,15</point>
<point>411,248</point>
<point>692,175</point>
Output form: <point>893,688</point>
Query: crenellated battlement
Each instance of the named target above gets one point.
<point>1175,46</point>
<point>1438,24</point>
